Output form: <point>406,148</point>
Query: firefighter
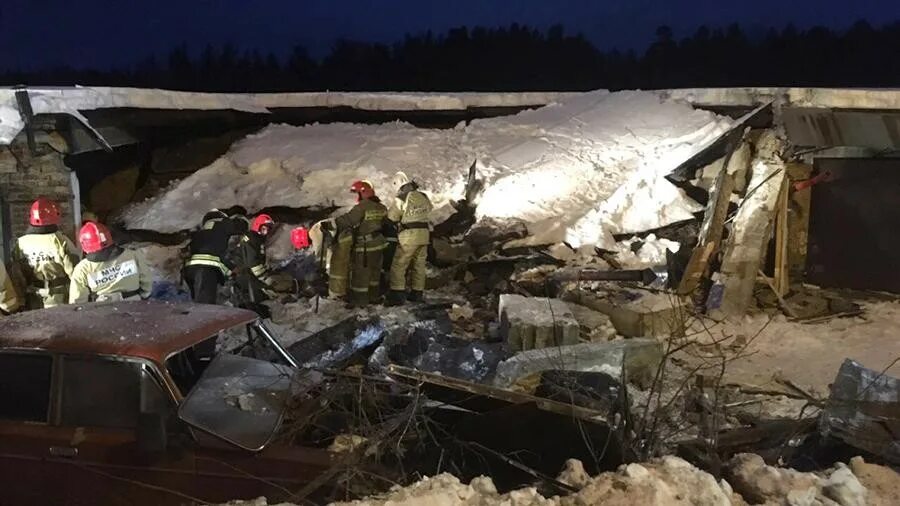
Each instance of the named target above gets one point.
<point>108,272</point>
<point>42,260</point>
<point>9,299</point>
<point>358,248</point>
<point>410,213</point>
<point>252,274</point>
<point>208,268</point>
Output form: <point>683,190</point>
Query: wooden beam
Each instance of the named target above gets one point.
<point>711,232</point>
<point>781,279</point>
<point>799,205</point>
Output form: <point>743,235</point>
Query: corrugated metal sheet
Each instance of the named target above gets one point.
<point>817,127</point>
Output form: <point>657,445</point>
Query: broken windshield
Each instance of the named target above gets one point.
<point>240,400</point>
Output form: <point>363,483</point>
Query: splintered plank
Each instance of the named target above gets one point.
<point>781,281</point>
<point>710,233</point>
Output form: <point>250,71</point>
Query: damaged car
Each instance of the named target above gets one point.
<point>107,404</point>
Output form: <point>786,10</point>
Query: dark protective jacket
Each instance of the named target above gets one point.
<point>209,245</point>
<point>251,255</point>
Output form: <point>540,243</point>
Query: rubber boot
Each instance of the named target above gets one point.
<point>395,298</point>
<point>357,300</point>
<point>416,296</point>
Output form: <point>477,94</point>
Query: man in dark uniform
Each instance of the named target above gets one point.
<point>207,268</point>
<point>252,272</point>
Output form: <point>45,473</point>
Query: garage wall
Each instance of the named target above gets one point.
<point>854,230</point>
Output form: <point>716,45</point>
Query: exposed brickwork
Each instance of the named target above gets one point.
<point>24,176</point>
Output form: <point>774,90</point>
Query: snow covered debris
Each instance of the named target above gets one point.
<point>580,170</point>
<point>660,482</point>
<point>645,253</point>
<point>760,483</point>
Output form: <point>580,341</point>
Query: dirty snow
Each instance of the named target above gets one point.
<point>580,170</point>
<point>660,482</point>
<point>774,346</point>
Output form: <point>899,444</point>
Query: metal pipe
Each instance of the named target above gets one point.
<point>267,334</point>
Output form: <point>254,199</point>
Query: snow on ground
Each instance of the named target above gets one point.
<point>579,170</point>
<point>811,354</point>
<point>660,482</point>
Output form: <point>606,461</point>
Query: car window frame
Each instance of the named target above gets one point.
<point>52,386</point>
<point>58,378</point>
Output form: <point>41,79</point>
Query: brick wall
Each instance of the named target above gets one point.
<point>25,176</point>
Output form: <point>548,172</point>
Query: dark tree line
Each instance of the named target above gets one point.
<point>522,58</point>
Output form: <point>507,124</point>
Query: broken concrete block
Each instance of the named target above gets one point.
<point>638,313</point>
<point>527,323</point>
<point>639,358</point>
<point>748,243</point>
<point>595,326</point>
<point>448,253</point>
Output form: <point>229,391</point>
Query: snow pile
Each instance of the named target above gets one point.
<point>661,482</point>
<point>760,483</point>
<point>593,165</point>
<point>580,170</point>
<point>312,165</point>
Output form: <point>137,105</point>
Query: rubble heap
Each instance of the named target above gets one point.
<point>662,482</point>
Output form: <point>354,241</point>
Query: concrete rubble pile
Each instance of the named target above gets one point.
<point>576,277</point>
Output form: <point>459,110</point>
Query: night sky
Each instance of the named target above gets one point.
<point>100,33</point>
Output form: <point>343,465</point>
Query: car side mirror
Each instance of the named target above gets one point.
<point>151,434</point>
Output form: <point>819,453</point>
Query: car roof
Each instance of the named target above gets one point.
<point>142,329</point>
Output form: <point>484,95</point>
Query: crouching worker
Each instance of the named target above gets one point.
<point>108,272</point>
<point>410,212</point>
<point>206,269</point>
<point>42,260</point>
<point>252,275</point>
<point>357,251</point>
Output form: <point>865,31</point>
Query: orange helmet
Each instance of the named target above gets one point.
<point>44,212</point>
<point>362,189</point>
<point>262,220</point>
<point>94,237</point>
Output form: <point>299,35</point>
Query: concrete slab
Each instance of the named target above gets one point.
<point>528,323</point>
<point>638,313</point>
<point>638,358</point>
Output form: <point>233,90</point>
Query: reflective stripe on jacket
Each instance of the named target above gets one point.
<point>45,261</point>
<point>125,276</point>
<point>412,213</point>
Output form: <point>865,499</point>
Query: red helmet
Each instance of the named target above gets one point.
<point>363,190</point>
<point>300,237</point>
<point>94,237</point>
<point>262,220</point>
<point>44,212</point>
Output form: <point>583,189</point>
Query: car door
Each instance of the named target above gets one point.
<point>25,386</point>
<point>100,408</point>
